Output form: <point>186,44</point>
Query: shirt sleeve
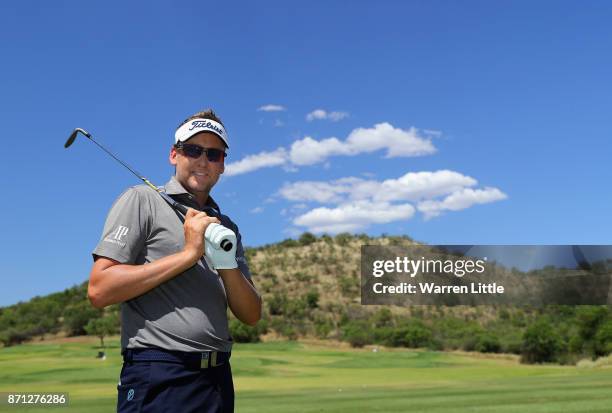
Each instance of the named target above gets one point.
<point>125,229</point>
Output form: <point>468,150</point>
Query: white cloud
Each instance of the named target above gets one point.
<point>321,192</point>
<point>459,200</point>
<point>256,210</point>
<point>258,161</point>
<point>271,108</point>
<point>316,114</point>
<point>358,203</point>
<point>320,114</point>
<point>336,116</point>
<point>278,123</point>
<point>413,186</point>
<point>353,216</point>
<point>308,151</point>
<point>397,142</point>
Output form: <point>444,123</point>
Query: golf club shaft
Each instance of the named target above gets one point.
<point>225,244</point>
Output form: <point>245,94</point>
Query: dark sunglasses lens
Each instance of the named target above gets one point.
<point>193,151</point>
<point>214,155</point>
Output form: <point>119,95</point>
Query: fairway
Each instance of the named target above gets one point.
<point>297,377</point>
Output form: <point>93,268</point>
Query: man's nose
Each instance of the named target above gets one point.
<point>203,160</point>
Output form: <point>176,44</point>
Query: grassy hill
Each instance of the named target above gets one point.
<point>311,288</point>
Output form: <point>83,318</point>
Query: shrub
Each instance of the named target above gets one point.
<point>348,285</point>
<point>76,317</point>
<point>242,333</point>
<point>284,328</point>
<point>323,327</point>
<point>102,327</point>
<point>382,318</point>
<point>288,243</point>
<point>504,314</point>
<point>12,336</point>
<point>343,238</point>
<point>575,344</point>
<point>418,335</point>
<point>327,239</point>
<point>307,238</point>
<point>312,299</point>
<point>413,334</point>
<point>603,339</point>
<point>488,344</point>
<point>277,303</point>
<point>303,277</point>
<point>357,333</point>
<point>296,308</point>
<point>541,343</point>
<point>589,318</point>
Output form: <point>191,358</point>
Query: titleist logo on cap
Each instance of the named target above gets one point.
<point>206,124</point>
<point>195,126</point>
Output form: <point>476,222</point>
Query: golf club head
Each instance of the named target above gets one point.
<point>73,136</point>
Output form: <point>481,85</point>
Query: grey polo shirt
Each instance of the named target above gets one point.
<point>186,313</point>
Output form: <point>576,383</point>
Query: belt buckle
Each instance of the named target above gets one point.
<point>204,360</point>
<point>209,356</point>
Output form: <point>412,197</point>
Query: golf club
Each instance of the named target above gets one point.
<point>224,244</point>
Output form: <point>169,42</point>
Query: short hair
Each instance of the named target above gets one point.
<point>204,114</point>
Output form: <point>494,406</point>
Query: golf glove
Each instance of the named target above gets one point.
<point>220,259</point>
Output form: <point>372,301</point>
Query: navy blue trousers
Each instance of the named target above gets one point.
<point>160,386</point>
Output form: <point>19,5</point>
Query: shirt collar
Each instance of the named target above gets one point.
<point>174,187</point>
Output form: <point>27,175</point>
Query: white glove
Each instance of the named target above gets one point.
<point>220,259</point>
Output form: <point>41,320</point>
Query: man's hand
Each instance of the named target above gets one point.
<point>221,259</point>
<point>195,226</point>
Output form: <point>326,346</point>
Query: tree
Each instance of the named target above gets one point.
<point>102,327</point>
<point>13,336</point>
<point>242,333</point>
<point>603,339</point>
<point>541,343</point>
<point>488,343</point>
<point>312,298</point>
<point>589,319</point>
<point>382,318</point>
<point>307,238</point>
<point>76,317</point>
<point>343,238</point>
<point>277,303</point>
<point>357,333</point>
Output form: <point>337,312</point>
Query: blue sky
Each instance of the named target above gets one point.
<point>454,122</point>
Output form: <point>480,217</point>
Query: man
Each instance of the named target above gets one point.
<point>175,338</point>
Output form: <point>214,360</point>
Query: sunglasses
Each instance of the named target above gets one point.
<point>195,151</point>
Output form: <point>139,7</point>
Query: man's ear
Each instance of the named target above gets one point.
<point>172,156</point>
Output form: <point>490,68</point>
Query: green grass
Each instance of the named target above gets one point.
<point>293,377</point>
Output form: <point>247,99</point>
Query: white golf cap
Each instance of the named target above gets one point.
<point>198,125</point>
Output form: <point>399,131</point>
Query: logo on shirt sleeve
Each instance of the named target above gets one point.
<point>117,235</point>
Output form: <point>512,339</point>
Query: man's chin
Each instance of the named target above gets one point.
<point>199,189</point>
<point>198,184</point>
